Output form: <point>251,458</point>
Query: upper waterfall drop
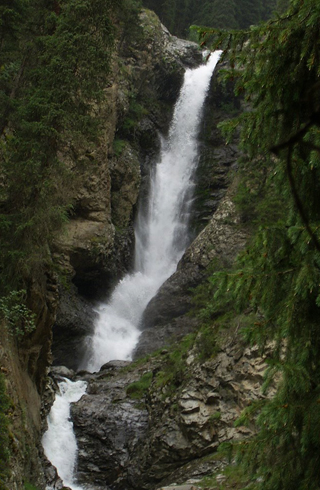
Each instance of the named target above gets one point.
<point>161,231</point>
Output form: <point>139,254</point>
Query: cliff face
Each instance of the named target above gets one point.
<point>134,444</point>
<point>94,248</point>
<point>170,430</point>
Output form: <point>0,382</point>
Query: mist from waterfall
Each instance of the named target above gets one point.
<point>161,231</point>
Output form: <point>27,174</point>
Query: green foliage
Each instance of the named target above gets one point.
<point>138,389</point>
<point>29,486</point>
<point>4,433</point>
<point>54,66</point>
<point>118,146</point>
<point>19,319</point>
<point>133,117</point>
<point>173,372</point>
<point>55,59</point>
<point>277,277</point>
<point>207,343</point>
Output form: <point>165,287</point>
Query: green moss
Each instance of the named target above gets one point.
<point>231,477</point>
<point>215,416</point>
<point>138,389</point>
<point>174,371</point>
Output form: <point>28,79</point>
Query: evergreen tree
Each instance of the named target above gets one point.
<point>276,68</point>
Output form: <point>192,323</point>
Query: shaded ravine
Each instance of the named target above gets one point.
<point>161,234</point>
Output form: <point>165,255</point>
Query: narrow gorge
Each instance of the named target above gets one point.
<point>152,211</point>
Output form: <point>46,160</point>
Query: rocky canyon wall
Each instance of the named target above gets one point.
<point>143,441</point>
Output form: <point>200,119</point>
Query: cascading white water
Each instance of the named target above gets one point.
<point>59,442</point>
<point>161,234</point>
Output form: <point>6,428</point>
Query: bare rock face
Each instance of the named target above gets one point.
<point>116,424</point>
<point>152,442</point>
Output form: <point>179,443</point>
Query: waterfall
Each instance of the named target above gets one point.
<point>59,442</point>
<point>161,236</point>
<point>161,231</point>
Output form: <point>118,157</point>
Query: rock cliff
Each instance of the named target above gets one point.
<point>149,428</point>
<point>95,247</point>
<point>160,419</point>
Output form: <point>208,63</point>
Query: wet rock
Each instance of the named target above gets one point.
<point>62,372</point>
<point>117,423</point>
<point>74,322</point>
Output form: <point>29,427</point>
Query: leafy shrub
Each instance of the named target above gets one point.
<point>19,318</point>
<point>118,146</point>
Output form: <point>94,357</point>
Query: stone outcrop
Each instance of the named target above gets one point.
<point>167,435</point>
<point>116,425</point>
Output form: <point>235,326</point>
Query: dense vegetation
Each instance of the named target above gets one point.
<point>55,60</point>
<point>178,15</point>
<point>276,69</point>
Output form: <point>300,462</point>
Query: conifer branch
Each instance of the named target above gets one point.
<point>297,138</point>
<point>297,199</point>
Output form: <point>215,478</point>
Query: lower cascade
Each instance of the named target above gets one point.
<point>59,442</point>
<point>161,236</point>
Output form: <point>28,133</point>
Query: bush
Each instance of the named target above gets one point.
<point>19,318</point>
